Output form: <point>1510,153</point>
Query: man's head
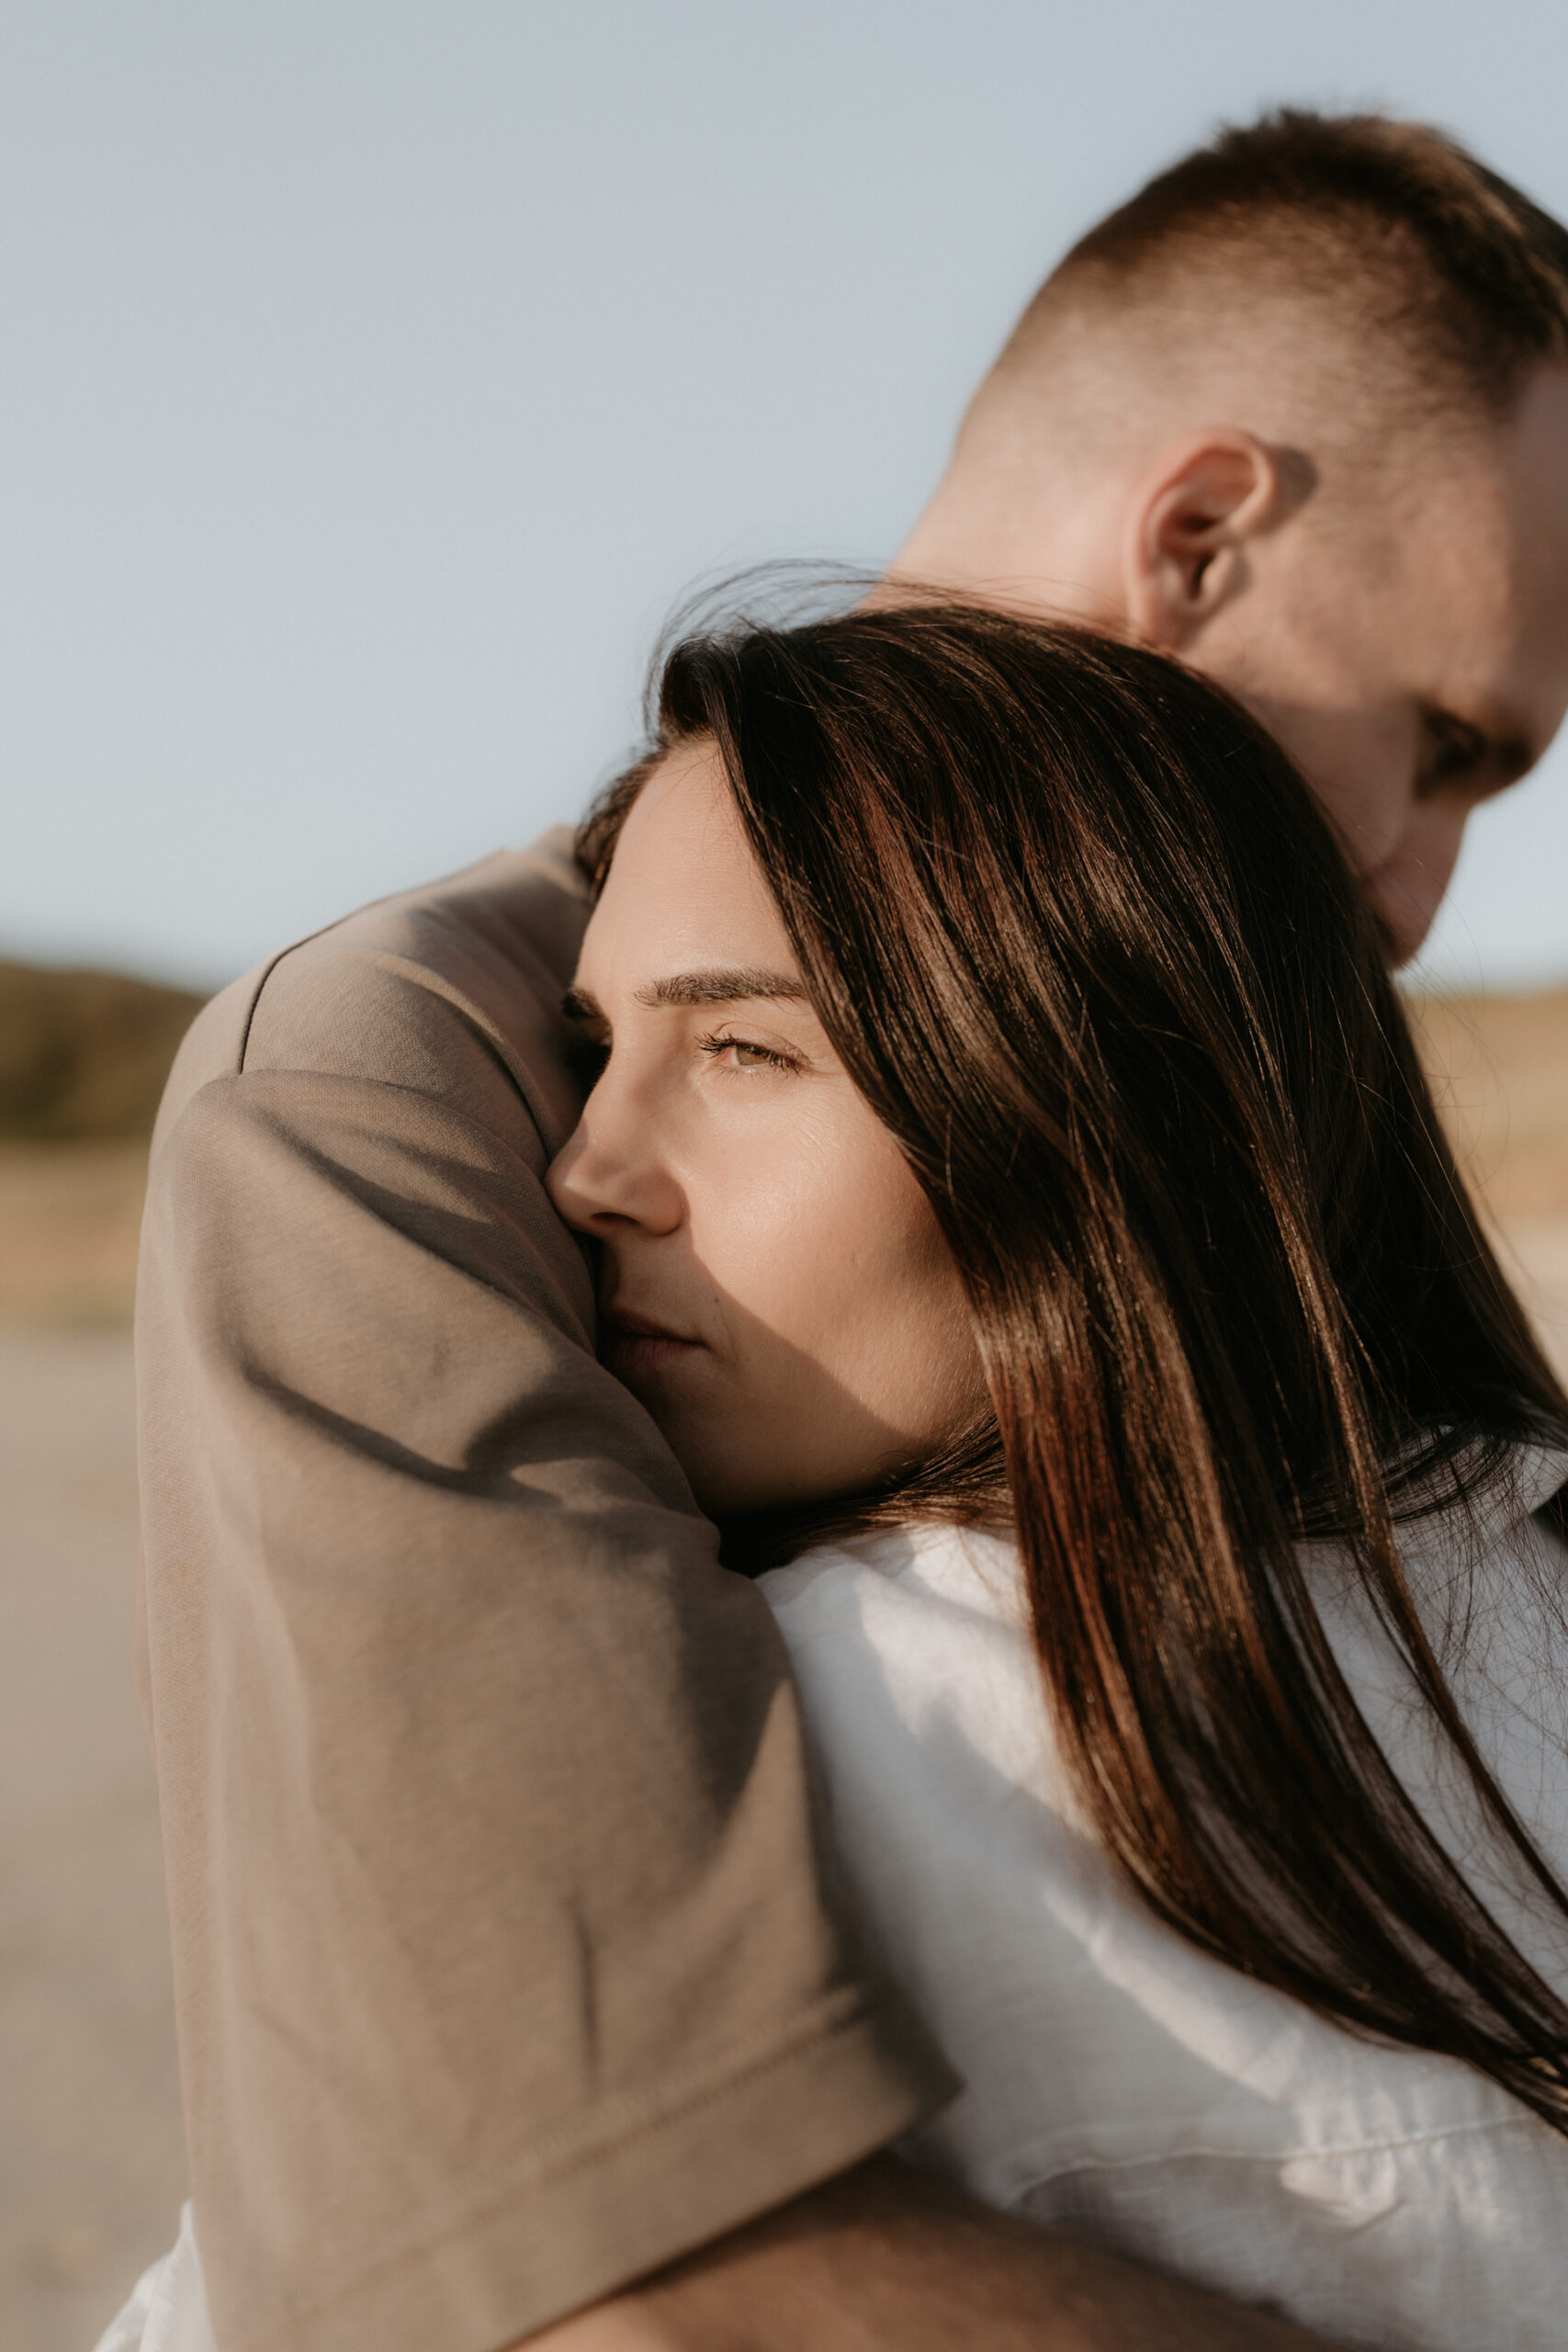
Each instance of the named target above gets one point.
<point>1299,412</point>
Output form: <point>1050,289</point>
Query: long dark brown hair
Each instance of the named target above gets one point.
<point>1086,946</point>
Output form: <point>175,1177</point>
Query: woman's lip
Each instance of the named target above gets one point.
<point>620,1322</point>
<point>634,1352</point>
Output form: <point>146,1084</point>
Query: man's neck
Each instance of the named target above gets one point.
<point>1028,547</point>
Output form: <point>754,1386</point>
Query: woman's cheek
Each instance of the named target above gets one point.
<point>774,1221</point>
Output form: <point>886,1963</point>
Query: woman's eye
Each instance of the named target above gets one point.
<point>747,1055</point>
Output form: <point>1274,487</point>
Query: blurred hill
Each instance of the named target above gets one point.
<point>82,1060</point>
<point>83,1055</point>
<point>1499,1070</point>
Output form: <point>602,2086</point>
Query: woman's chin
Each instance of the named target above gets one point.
<point>727,1491</point>
<point>721,1494</point>
<point>725,1487</point>
<point>681,1429</point>
<point>741,1463</point>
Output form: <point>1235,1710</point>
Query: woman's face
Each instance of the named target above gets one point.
<point>774,1286</point>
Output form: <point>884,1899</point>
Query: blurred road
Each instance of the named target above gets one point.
<point>91,2157</point>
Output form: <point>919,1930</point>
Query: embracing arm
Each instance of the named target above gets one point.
<point>885,2260</point>
<point>505,1969</point>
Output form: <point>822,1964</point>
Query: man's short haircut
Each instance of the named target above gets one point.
<point>1440,258</point>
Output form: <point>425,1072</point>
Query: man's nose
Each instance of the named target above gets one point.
<point>610,1172</point>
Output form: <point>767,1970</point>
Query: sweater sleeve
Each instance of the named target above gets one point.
<point>507,1963</point>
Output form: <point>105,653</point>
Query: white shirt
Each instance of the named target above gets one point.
<point>1118,2080</point>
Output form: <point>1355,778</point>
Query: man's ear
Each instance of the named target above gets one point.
<point>1190,518</point>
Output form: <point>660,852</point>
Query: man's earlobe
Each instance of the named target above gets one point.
<point>1191,515</point>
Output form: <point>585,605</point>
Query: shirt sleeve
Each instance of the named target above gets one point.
<point>507,1961</point>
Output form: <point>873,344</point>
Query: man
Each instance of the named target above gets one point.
<point>507,1967</point>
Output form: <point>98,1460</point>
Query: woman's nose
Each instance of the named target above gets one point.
<point>609,1171</point>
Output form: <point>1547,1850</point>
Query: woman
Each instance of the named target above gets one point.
<point>1013,1180</point>
<point>1019,1204</point>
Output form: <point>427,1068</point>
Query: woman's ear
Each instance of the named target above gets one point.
<point>1188,523</point>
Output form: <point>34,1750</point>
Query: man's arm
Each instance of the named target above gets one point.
<point>506,1966</point>
<point>886,2260</point>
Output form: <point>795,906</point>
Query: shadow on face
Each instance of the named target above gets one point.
<point>774,1286</point>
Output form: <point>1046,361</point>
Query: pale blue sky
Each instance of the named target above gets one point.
<point>378,372</point>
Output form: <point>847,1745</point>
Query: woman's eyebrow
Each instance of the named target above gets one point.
<point>720,987</point>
